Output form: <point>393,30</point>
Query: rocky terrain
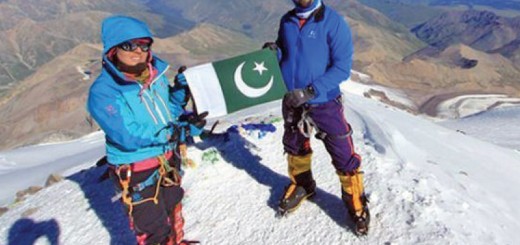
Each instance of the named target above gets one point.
<point>52,53</point>
<point>35,32</point>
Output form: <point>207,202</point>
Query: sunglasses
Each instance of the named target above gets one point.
<point>131,46</point>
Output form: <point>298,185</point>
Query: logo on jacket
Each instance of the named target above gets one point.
<point>312,34</point>
<point>111,110</point>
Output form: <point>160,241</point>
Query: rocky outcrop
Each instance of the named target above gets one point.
<point>481,30</point>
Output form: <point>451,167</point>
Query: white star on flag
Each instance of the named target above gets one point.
<point>260,68</point>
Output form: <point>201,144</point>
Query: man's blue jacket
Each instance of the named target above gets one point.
<point>319,54</point>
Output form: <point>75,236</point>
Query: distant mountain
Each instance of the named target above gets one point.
<point>502,4</point>
<point>48,105</point>
<point>511,51</point>
<point>482,30</point>
<point>208,42</point>
<point>53,52</point>
<point>414,12</point>
<point>377,38</point>
<point>467,51</point>
<point>38,34</point>
<point>431,76</point>
<point>497,38</point>
<point>34,32</point>
<point>406,12</point>
<point>260,19</point>
<point>257,19</point>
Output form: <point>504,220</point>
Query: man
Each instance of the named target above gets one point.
<point>315,52</point>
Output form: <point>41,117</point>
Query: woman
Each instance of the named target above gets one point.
<point>132,102</point>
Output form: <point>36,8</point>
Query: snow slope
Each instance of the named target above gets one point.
<point>31,166</point>
<point>471,104</point>
<point>427,185</point>
<point>499,126</point>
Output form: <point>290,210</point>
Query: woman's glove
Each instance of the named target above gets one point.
<point>180,79</point>
<point>192,124</point>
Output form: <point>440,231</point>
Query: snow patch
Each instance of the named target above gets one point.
<point>86,74</point>
<point>467,105</point>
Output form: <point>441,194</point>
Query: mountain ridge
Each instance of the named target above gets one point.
<point>385,50</point>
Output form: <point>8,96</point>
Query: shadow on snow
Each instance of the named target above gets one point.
<point>27,232</point>
<point>235,149</point>
<point>99,193</point>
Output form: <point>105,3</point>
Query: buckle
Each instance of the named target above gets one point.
<point>124,172</point>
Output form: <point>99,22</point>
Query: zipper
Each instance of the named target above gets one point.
<point>160,98</point>
<point>158,111</point>
<point>148,108</point>
<point>164,105</point>
<point>155,107</point>
<point>298,45</point>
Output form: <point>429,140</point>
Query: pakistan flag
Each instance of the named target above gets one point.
<point>233,84</point>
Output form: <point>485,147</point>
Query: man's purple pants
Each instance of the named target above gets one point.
<point>335,131</point>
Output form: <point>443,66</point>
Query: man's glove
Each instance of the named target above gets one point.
<point>299,97</point>
<point>270,45</point>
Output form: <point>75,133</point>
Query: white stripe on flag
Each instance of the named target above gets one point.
<point>206,90</point>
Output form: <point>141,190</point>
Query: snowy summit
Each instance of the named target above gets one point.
<point>427,185</point>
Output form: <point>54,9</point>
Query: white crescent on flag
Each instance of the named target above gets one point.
<point>248,90</point>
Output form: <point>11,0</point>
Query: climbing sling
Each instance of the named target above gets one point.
<point>306,125</point>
